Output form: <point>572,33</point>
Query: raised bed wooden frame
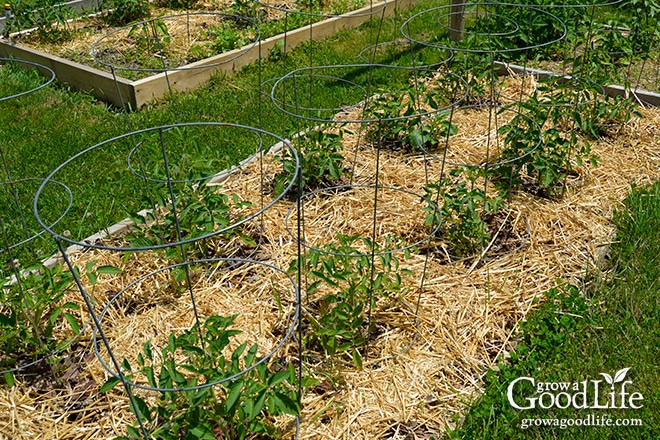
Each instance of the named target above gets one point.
<point>135,94</point>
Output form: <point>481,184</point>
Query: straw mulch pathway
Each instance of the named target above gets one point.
<point>467,318</point>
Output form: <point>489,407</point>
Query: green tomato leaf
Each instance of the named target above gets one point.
<point>73,322</point>
<point>357,359</point>
<point>234,394</point>
<point>9,378</point>
<point>202,432</point>
<point>108,270</point>
<point>109,384</point>
<point>142,408</point>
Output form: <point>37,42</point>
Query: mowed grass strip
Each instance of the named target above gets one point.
<point>576,335</point>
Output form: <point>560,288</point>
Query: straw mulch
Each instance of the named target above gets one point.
<point>468,309</point>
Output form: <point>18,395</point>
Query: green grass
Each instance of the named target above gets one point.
<point>576,335</point>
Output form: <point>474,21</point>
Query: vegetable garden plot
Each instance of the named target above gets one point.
<point>182,50</point>
<point>187,34</point>
<point>391,335</point>
<point>467,316</point>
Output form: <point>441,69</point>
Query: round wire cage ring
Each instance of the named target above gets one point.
<point>18,212</point>
<point>485,135</point>
<point>11,89</point>
<point>262,299</point>
<point>172,203</point>
<point>350,86</point>
<point>392,219</point>
<point>549,91</point>
<point>484,38</point>
<point>400,52</point>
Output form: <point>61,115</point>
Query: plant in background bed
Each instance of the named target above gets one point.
<point>227,36</point>
<point>338,7</point>
<point>177,4</point>
<point>244,8</point>
<point>343,288</point>
<point>235,409</point>
<point>321,161</point>
<point>464,210</point>
<point>50,19</point>
<point>152,36</point>
<point>123,12</point>
<point>603,58</point>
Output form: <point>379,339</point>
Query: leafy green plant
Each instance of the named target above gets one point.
<point>338,7</point>
<point>36,320</point>
<point>464,211</point>
<point>505,28</point>
<point>152,35</point>
<point>321,161</point>
<point>547,161</point>
<point>236,408</point>
<point>123,12</point>
<point>201,210</point>
<point>408,118</point>
<point>246,8</point>
<point>344,285</point>
<point>30,311</point>
<point>227,36</point>
<point>608,112</point>
<point>177,4</point>
<point>50,19</point>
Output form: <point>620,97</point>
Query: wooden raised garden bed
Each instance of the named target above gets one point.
<point>117,90</point>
